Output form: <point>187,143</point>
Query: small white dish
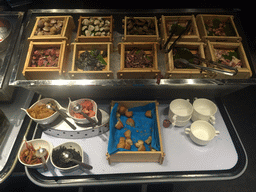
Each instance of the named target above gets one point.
<point>201,132</point>
<point>46,120</point>
<point>37,143</point>
<point>82,120</point>
<point>180,109</point>
<point>68,145</point>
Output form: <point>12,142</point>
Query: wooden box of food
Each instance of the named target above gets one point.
<point>95,29</point>
<point>138,156</point>
<point>147,68</point>
<point>138,29</point>
<point>217,28</point>
<point>192,35</point>
<point>45,60</point>
<point>185,73</point>
<point>53,29</point>
<point>93,71</point>
<point>236,56</point>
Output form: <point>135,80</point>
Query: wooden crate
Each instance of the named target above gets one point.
<point>166,20</point>
<point>200,19</point>
<point>83,38</point>
<point>138,156</point>
<point>66,32</point>
<point>243,73</point>
<point>138,73</point>
<point>140,38</point>
<point>78,48</point>
<point>172,72</point>
<point>45,72</point>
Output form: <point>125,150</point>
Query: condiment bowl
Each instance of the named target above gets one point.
<point>201,132</point>
<point>68,145</point>
<point>82,120</point>
<point>37,143</point>
<point>46,120</point>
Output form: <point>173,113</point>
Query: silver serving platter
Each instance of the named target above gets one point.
<point>60,128</point>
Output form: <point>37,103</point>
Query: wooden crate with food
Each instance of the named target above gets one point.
<point>178,24</point>
<point>231,54</point>
<point>91,61</point>
<point>185,50</point>
<point>52,29</point>
<point>217,28</point>
<point>138,29</point>
<point>138,60</point>
<point>95,29</point>
<point>135,132</point>
<point>45,60</point>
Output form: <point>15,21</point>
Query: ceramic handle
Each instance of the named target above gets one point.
<point>212,120</point>
<point>217,133</point>
<point>187,130</point>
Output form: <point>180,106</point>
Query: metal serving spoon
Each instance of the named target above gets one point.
<point>77,108</point>
<point>67,156</point>
<point>52,105</point>
<point>40,153</point>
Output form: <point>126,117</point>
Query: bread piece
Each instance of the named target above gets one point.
<point>148,114</point>
<point>142,148</point>
<point>148,141</point>
<point>127,134</point>
<point>128,114</point>
<point>130,122</point>
<point>121,143</point>
<point>127,146</point>
<point>119,125</point>
<point>122,109</point>
<point>129,141</point>
<point>139,143</point>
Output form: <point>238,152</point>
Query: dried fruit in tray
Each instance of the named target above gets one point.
<point>140,26</point>
<point>138,58</point>
<point>95,27</point>
<point>49,26</point>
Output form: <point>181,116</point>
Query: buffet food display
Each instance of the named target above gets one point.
<point>92,55</point>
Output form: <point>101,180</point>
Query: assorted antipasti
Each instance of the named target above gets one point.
<point>45,57</point>
<point>228,57</point>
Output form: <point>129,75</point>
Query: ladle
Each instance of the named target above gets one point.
<point>67,157</point>
<point>40,153</point>
<point>52,105</point>
<point>77,108</point>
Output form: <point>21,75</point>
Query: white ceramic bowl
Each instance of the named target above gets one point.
<point>180,109</point>
<point>83,120</point>
<point>68,145</point>
<point>180,123</point>
<point>37,143</point>
<point>46,120</point>
<point>201,132</point>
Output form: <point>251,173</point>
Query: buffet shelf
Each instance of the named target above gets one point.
<point>51,88</point>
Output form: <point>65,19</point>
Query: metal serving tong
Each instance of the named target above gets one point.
<point>175,41</point>
<point>186,55</point>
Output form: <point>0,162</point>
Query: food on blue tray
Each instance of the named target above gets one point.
<point>40,111</point>
<point>128,113</point>
<point>95,27</point>
<point>119,124</point>
<point>149,139</point>
<point>121,143</point>
<point>216,27</point>
<point>122,109</point>
<point>140,145</point>
<point>127,134</point>
<point>130,122</point>
<point>228,57</point>
<point>140,26</point>
<point>45,57</point>
<point>148,114</point>
<point>138,58</point>
<point>92,60</point>
<point>47,26</point>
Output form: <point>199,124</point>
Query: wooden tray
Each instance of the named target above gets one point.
<point>138,156</point>
<point>45,72</point>
<point>78,48</point>
<point>83,38</point>
<point>140,38</point>
<point>165,20</point>
<point>138,73</point>
<point>66,32</point>
<point>172,72</point>
<point>200,19</point>
<point>243,73</point>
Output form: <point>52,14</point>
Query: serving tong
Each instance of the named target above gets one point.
<point>192,56</point>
